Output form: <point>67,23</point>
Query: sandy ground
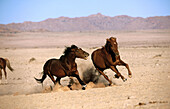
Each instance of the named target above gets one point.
<point>146,52</point>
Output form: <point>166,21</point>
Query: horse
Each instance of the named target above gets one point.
<point>64,66</point>
<point>3,63</point>
<point>108,57</point>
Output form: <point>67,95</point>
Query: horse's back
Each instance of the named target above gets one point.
<point>50,62</point>
<point>55,67</point>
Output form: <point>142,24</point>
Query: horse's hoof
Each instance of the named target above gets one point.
<point>110,84</point>
<point>130,76</point>
<point>84,87</point>
<point>51,88</point>
<point>69,86</point>
<point>124,79</point>
<point>116,76</point>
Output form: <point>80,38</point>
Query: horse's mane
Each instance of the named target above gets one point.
<point>108,49</point>
<point>107,44</point>
<point>68,49</point>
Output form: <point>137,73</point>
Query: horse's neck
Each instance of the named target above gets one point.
<point>71,58</point>
<point>68,62</point>
<point>71,63</point>
<point>107,52</point>
<point>107,48</point>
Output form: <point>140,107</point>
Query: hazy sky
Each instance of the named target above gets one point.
<point>19,11</point>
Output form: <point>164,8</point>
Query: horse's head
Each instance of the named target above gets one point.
<point>112,43</point>
<point>81,53</point>
<point>77,52</point>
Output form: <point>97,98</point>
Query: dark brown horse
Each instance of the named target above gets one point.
<point>108,57</point>
<point>65,66</point>
<point>3,63</point>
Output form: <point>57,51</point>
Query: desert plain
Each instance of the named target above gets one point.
<point>146,51</point>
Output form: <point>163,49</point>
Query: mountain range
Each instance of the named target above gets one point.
<point>91,23</point>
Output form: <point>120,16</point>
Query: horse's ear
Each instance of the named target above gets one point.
<point>107,40</point>
<point>113,38</point>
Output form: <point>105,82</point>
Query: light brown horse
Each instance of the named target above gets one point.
<point>108,57</point>
<point>3,63</point>
<point>65,66</point>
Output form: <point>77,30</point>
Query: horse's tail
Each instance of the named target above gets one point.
<point>8,64</point>
<point>42,79</point>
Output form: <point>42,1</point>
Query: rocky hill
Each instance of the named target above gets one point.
<point>91,23</point>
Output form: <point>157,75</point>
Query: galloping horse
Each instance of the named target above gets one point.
<point>65,66</point>
<point>3,63</point>
<point>108,57</point>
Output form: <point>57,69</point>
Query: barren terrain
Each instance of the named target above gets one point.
<point>147,53</point>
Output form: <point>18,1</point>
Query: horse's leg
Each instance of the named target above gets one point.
<point>76,74</point>
<point>116,76</point>
<point>117,72</point>
<point>70,83</point>
<point>5,74</point>
<point>52,78</point>
<point>58,80</point>
<point>0,75</point>
<point>110,82</point>
<point>127,66</point>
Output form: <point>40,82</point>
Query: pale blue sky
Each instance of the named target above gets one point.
<point>19,11</point>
